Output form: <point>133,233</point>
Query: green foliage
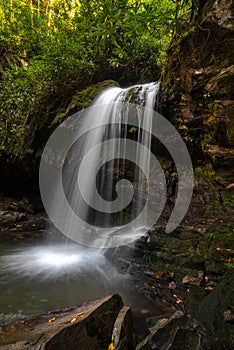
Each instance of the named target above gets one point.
<point>50,49</point>
<point>206,172</point>
<point>220,244</point>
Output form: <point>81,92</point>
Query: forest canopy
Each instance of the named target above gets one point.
<point>51,48</point>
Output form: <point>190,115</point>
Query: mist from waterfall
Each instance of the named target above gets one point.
<point>106,170</point>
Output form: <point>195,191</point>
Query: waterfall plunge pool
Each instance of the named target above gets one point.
<point>36,278</point>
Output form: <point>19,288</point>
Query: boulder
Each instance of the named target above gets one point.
<point>89,326</point>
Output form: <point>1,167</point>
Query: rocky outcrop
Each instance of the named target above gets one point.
<point>19,173</point>
<point>95,325</point>
<point>215,313</point>
<point>199,81</point>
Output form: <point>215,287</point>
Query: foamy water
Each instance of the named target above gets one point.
<point>56,261</point>
<point>40,278</point>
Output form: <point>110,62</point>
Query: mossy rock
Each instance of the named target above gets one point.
<point>198,84</point>
<point>82,99</point>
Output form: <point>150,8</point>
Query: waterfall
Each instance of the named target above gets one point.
<point>98,194</point>
<point>102,186</point>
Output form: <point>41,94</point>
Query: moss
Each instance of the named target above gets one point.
<point>205,172</point>
<point>217,244</point>
<point>82,99</point>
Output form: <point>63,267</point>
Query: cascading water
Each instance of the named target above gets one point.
<point>98,195</point>
<point>93,178</point>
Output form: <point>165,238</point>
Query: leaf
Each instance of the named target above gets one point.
<point>75,318</point>
<point>209,288</point>
<point>177,298</point>
<point>51,320</point>
<point>111,347</point>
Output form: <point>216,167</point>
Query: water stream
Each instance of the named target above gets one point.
<point>97,166</point>
<point>41,277</point>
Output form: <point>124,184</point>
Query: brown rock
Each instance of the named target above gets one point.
<point>164,275</point>
<point>195,281</point>
<point>88,326</point>
<point>123,334</point>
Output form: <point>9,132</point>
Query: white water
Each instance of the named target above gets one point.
<point>39,278</point>
<point>43,277</point>
<point>105,172</point>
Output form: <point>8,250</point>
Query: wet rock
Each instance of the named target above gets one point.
<point>164,275</point>
<point>211,313</point>
<point>175,332</point>
<point>195,281</point>
<point>215,267</point>
<point>123,335</point>
<point>24,205</point>
<point>8,219</point>
<point>175,250</point>
<point>30,204</point>
<point>89,326</point>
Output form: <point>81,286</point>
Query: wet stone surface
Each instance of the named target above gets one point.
<point>188,275</point>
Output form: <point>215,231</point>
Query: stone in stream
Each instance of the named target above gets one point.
<point>89,326</point>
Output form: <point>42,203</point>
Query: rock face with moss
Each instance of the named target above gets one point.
<point>21,170</point>
<point>82,99</point>
<point>198,84</point>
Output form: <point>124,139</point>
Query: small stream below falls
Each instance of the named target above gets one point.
<point>36,278</point>
<point>93,160</point>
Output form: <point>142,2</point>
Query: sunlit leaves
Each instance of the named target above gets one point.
<point>49,47</point>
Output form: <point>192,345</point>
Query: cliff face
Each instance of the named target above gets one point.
<point>198,84</point>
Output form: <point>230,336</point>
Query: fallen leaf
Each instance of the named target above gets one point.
<point>75,318</point>
<point>178,301</point>
<point>209,288</point>
<point>177,298</point>
<point>111,347</point>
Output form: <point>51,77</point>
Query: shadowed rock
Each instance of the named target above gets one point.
<point>88,326</point>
